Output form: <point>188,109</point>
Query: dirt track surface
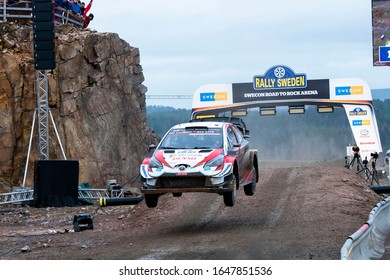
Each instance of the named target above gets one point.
<point>297,213</point>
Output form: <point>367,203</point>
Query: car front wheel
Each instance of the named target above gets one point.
<point>229,198</point>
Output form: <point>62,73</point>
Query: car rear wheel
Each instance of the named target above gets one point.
<point>250,189</point>
<point>151,200</point>
<point>229,198</point>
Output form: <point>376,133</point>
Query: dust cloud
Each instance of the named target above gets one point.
<point>307,137</point>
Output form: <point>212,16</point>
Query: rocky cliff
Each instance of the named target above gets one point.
<point>96,97</point>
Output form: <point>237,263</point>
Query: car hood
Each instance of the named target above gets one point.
<point>188,157</point>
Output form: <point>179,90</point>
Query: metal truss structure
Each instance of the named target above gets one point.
<point>43,114</point>
<point>27,194</point>
<point>17,197</point>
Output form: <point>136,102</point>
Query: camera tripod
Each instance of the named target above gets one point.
<point>362,167</point>
<point>374,174</point>
<point>355,159</point>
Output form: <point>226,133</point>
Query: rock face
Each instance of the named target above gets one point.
<point>96,97</point>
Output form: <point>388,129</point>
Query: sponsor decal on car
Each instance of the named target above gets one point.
<point>144,172</point>
<point>184,158</point>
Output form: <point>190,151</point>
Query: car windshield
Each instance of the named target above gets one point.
<point>182,138</point>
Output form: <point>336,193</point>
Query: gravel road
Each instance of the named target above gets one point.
<point>299,212</point>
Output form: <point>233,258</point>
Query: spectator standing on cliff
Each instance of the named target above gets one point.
<point>82,7</point>
<point>66,4</point>
<point>87,20</point>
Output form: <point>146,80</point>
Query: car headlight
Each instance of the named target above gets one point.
<point>154,163</point>
<point>215,162</point>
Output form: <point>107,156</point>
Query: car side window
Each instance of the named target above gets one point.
<point>231,136</point>
<point>238,134</point>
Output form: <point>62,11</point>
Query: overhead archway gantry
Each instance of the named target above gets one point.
<point>281,86</point>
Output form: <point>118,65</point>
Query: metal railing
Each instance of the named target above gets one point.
<point>23,10</point>
<point>63,16</point>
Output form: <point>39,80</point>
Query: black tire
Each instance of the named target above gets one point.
<point>177,194</point>
<point>151,200</point>
<point>250,189</point>
<point>229,198</point>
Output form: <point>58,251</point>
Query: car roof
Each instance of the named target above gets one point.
<point>238,122</point>
<point>202,124</point>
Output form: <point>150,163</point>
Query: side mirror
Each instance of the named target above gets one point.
<point>152,147</point>
<point>247,134</point>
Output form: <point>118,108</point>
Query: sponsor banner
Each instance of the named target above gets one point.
<point>349,89</point>
<point>384,53</point>
<point>279,77</point>
<point>358,112</point>
<point>212,95</point>
<point>315,89</point>
<point>364,129</point>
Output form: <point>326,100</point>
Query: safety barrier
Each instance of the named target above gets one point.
<point>23,10</point>
<point>368,242</point>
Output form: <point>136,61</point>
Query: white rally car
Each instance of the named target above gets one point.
<point>209,157</point>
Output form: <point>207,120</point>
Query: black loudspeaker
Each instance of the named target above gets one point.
<point>43,26</point>
<point>45,64</point>
<point>42,55</point>
<point>43,36</point>
<point>42,16</point>
<point>42,6</point>
<point>56,183</point>
<point>44,45</point>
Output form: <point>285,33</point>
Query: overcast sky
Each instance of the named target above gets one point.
<point>185,44</point>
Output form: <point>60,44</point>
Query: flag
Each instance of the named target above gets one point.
<point>87,8</point>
